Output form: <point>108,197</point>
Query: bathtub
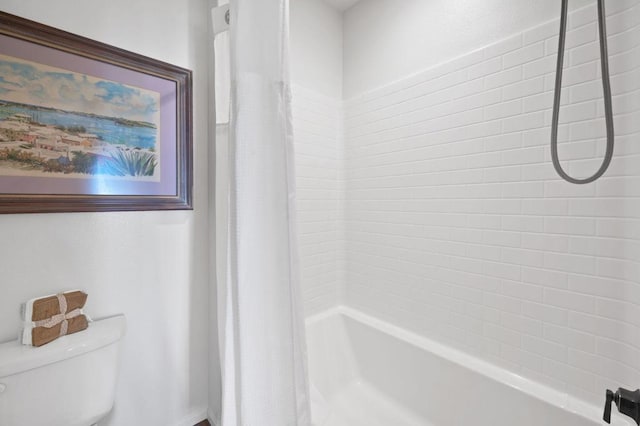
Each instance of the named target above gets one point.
<point>365,372</point>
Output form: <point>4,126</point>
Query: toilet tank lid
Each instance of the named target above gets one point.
<point>16,358</point>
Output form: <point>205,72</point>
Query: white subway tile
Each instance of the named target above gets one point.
<point>602,327</point>
<point>569,300</point>
<point>622,22</point>
<point>523,156</point>
<point>522,223</point>
<point>487,67</point>
<point>575,38</point>
<point>569,374</point>
<point>521,324</point>
<point>578,74</point>
<point>501,303</point>
<point>583,245</point>
<point>603,207</point>
<point>488,97</point>
<point>570,225</point>
<point>517,256</point>
<point>502,206</point>
<point>501,110</point>
<point>585,91</point>
<point>597,286</point>
<point>483,221</point>
<point>520,357</point>
<point>545,277</point>
<point>538,102</point>
<point>618,187</point>
<point>538,172</point>
<point>618,268</point>
<point>617,372</point>
<point>502,334</point>
<point>545,207</point>
<point>503,142</point>
<point>586,53</point>
<point>503,46</point>
<point>503,174</point>
<point>523,88</point>
<point>541,32</point>
<point>545,348</point>
<point>526,54</point>
<point>522,291</point>
<point>626,311</point>
<point>618,228</point>
<point>500,79</point>
<point>618,351</point>
<point>502,270</point>
<point>622,6</point>
<point>542,66</point>
<point>523,122</point>
<point>624,62</point>
<point>545,313</point>
<point>572,338</point>
<point>583,16</point>
<point>570,262</point>
<point>578,112</point>
<point>536,137</point>
<point>483,252</point>
<point>565,189</point>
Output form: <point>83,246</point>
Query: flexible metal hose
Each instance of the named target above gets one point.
<point>606,86</point>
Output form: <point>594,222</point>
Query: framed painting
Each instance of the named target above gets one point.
<point>85,126</point>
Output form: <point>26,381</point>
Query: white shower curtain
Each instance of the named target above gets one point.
<point>261,326</point>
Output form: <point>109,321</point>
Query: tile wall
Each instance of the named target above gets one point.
<point>456,225</point>
<point>318,138</point>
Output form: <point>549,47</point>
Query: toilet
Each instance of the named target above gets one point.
<point>68,382</point>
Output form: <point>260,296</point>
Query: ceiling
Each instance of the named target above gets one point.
<point>341,4</point>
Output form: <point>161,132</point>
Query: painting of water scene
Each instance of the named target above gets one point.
<point>62,123</point>
<point>86,126</point>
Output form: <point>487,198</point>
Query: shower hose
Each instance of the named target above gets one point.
<point>606,86</point>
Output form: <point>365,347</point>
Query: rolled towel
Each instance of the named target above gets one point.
<point>46,307</point>
<point>38,336</point>
<point>50,317</point>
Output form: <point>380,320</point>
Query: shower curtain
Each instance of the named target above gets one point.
<point>261,327</point>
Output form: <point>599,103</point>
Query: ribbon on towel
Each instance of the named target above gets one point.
<point>63,317</point>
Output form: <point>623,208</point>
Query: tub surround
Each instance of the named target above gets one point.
<point>459,229</point>
<point>453,222</point>
<point>370,373</point>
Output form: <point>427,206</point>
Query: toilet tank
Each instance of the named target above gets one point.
<point>68,382</point>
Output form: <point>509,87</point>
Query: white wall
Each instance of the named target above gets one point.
<point>385,40</point>
<point>316,67</point>
<point>316,47</point>
<point>151,266</point>
<point>458,227</point>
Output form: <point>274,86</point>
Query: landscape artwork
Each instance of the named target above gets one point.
<point>63,124</point>
<point>86,126</point>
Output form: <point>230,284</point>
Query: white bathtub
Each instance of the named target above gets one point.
<point>365,372</point>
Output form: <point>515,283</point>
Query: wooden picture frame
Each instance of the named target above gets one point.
<point>85,126</point>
